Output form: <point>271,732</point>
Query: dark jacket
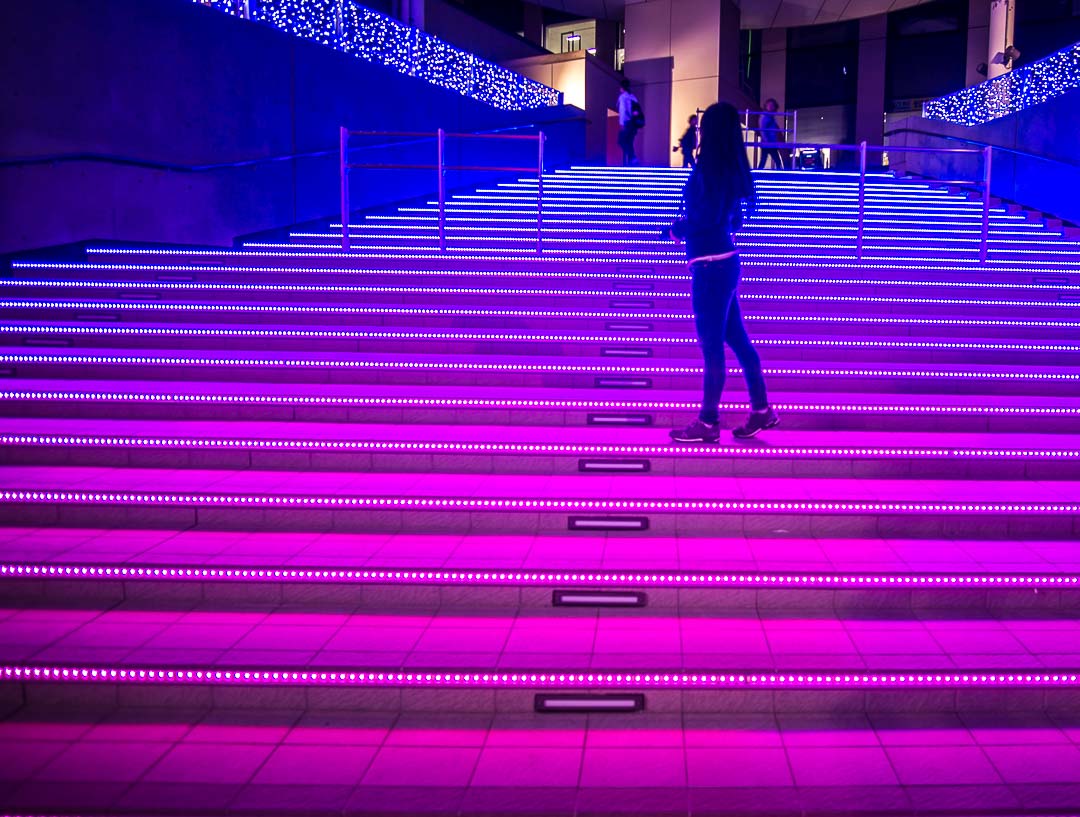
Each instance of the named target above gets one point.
<point>688,141</point>
<point>707,218</point>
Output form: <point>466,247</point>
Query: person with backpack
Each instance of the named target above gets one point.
<point>688,142</point>
<point>711,210</point>
<point>631,120</point>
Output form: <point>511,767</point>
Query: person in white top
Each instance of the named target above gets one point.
<point>630,121</point>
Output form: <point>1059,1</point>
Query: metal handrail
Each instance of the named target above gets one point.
<point>154,164</point>
<point>862,148</point>
<point>1025,153</point>
<point>440,167</point>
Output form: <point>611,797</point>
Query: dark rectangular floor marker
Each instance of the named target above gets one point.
<point>623,383</point>
<point>618,420</point>
<point>635,286</point>
<point>625,466</point>
<point>631,305</point>
<point>608,523</point>
<point>622,351</point>
<point>628,327</point>
<point>599,598</point>
<point>613,702</point>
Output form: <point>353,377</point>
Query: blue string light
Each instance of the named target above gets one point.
<point>382,40</point>
<point>1010,93</point>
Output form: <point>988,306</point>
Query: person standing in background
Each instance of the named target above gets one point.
<point>631,119</point>
<point>688,143</point>
<point>771,133</point>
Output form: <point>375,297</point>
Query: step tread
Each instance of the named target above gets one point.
<point>849,442</point>
<point>576,640</point>
<point>587,551</point>
<point>622,487</point>
<point>973,404</point>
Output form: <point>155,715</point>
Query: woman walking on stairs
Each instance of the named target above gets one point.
<point>711,211</point>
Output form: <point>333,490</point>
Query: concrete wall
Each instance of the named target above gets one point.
<point>170,81</point>
<point>447,22</point>
<point>587,84</point>
<point>1048,130</point>
<point>681,55</point>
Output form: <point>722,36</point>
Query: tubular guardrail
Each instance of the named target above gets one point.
<point>440,167</point>
<point>862,149</point>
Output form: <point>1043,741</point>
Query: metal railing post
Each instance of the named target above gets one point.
<point>540,195</point>
<point>343,169</point>
<point>862,199</point>
<point>441,161</point>
<point>795,126</point>
<point>984,238</point>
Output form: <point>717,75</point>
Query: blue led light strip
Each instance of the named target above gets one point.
<point>376,38</point>
<point>1010,93</point>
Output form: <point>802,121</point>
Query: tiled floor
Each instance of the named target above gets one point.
<point>344,762</point>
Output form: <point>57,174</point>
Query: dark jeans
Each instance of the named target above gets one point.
<point>719,320</point>
<point>626,142</point>
<point>688,160</point>
<point>778,163</point>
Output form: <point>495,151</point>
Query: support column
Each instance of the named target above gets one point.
<point>978,35</point>
<point>1001,35</point>
<point>870,94</point>
<point>534,23</point>
<point>774,66</point>
<point>411,12</point>
<point>607,38</point>
<point>698,42</point>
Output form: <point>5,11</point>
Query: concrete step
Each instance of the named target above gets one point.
<point>531,449</point>
<point>518,503</point>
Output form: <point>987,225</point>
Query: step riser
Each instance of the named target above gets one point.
<point>300,258</point>
<point>593,385</point>
<point>616,349</point>
<point>967,468</point>
<point>457,598</point>
<point>596,275</point>
<point>663,292</point>
<point>932,525</point>
<point>622,303</point>
<point>465,699</point>
<point>662,420</point>
<point>614,323</point>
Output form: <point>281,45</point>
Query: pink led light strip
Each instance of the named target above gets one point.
<point>569,449</point>
<point>502,291</point>
<point>352,334</point>
<point>467,402</point>
<point>512,313</point>
<point>466,273</point>
<point>539,578</point>
<point>558,505</point>
<point>762,679</point>
<point>300,363</point>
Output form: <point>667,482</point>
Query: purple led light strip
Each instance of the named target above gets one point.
<point>487,274</point>
<point>337,502</point>
<point>551,679</point>
<point>514,313</point>
<point>353,334</point>
<point>542,578</point>
<point>300,363</point>
<point>568,449</point>
<point>539,293</point>
<point>798,261</point>
<point>468,402</point>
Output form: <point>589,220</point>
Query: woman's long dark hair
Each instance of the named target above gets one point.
<point>722,158</point>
